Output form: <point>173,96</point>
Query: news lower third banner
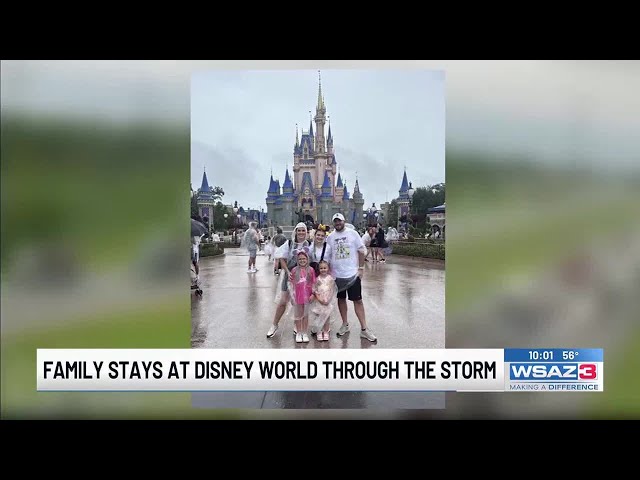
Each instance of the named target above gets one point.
<point>193,370</point>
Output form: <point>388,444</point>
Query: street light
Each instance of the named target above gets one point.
<point>410,192</point>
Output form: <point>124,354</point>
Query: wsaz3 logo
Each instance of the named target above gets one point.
<point>553,371</point>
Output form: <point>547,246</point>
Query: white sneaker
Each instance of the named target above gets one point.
<point>299,338</point>
<point>272,331</point>
<point>249,270</point>
<point>368,335</point>
<point>305,338</point>
<point>344,328</point>
<point>254,270</point>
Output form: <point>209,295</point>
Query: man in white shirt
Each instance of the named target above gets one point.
<point>347,265</point>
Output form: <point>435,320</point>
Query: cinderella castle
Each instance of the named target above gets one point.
<point>312,193</point>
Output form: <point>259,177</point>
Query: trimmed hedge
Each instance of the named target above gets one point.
<point>424,250</point>
<point>210,249</point>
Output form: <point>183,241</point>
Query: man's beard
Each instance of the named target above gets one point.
<point>339,229</point>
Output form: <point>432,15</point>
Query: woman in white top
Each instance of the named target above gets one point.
<point>366,239</point>
<point>285,254</point>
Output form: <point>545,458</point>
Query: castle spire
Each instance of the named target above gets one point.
<point>205,183</point>
<point>297,141</point>
<point>310,126</point>
<point>405,184</point>
<point>320,97</point>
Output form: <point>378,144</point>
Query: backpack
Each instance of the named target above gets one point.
<point>279,239</point>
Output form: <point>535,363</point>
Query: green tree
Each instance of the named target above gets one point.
<point>392,216</point>
<point>425,198</point>
<point>219,222</point>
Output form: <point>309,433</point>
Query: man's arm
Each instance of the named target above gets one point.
<point>361,255</point>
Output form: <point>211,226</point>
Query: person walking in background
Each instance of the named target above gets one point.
<point>366,239</point>
<point>251,241</point>
<point>278,240</point>
<point>382,244</point>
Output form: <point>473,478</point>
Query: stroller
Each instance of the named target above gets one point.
<point>195,283</point>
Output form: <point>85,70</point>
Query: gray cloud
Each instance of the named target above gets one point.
<point>381,121</point>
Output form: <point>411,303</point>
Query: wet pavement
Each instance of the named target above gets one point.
<point>404,301</point>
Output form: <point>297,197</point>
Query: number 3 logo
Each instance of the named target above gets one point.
<point>587,371</point>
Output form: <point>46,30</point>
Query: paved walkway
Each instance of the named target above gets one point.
<point>404,305</point>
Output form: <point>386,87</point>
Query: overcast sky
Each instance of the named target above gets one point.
<point>552,113</point>
<point>243,126</point>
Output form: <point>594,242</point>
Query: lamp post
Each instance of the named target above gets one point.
<point>235,221</point>
<point>410,192</point>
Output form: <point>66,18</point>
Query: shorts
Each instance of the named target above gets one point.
<point>253,252</point>
<point>195,256</point>
<point>354,291</point>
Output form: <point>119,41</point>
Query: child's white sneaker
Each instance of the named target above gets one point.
<point>299,338</point>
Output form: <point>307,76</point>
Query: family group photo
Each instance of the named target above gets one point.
<point>318,209</point>
<point>318,217</point>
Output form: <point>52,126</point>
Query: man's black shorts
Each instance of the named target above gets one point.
<point>354,291</point>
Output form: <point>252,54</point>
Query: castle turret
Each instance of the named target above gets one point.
<point>272,196</point>
<point>288,198</point>
<point>404,188</point>
<point>403,199</point>
<point>326,200</point>
<point>205,200</point>
<point>358,203</point>
<point>339,189</point>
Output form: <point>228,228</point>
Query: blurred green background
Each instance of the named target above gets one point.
<point>543,238</point>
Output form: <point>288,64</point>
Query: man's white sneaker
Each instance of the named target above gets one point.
<point>272,331</point>
<point>368,335</point>
<point>344,328</point>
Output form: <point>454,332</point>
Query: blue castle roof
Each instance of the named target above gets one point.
<point>404,188</point>
<point>287,187</point>
<point>273,187</point>
<point>326,185</point>
<point>205,183</point>
<point>405,184</point>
